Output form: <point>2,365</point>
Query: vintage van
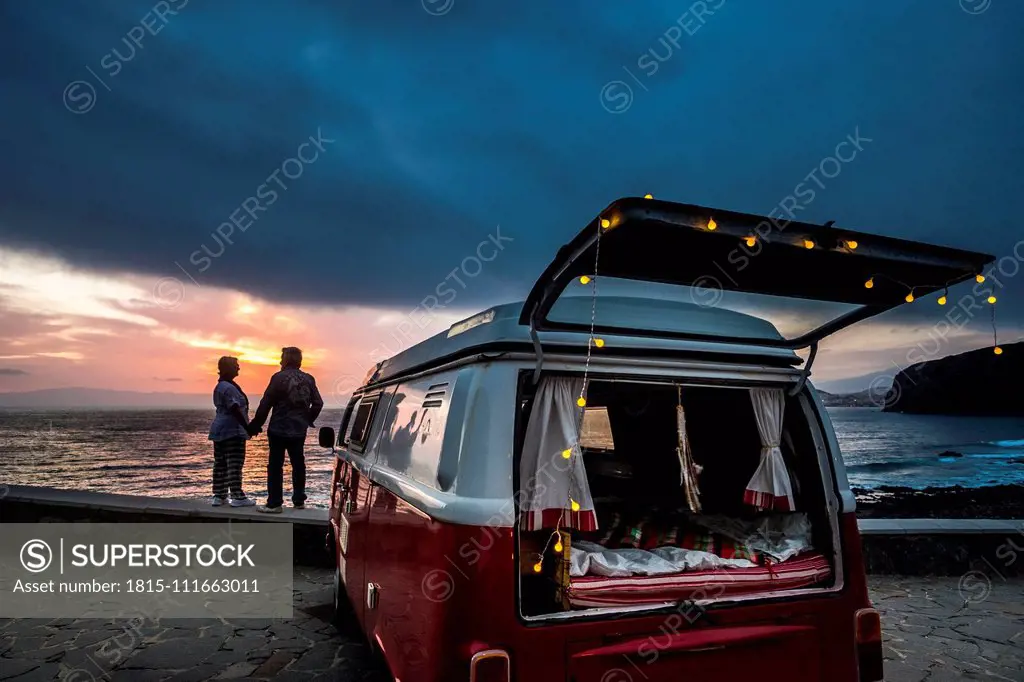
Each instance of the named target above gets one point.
<point>606,486</point>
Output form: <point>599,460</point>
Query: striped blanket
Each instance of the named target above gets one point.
<point>596,591</point>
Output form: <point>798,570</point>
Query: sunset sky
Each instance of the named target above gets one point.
<point>184,180</point>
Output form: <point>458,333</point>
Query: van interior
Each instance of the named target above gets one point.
<point>653,544</point>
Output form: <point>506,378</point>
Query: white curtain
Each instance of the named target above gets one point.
<point>770,487</point>
<point>549,482</point>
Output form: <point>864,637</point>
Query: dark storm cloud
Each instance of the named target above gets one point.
<point>12,372</point>
<point>446,126</point>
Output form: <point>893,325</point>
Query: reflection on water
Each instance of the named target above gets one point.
<point>163,453</point>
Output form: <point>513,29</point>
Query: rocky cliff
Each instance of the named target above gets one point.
<point>978,382</point>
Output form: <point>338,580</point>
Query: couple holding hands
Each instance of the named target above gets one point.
<point>293,403</point>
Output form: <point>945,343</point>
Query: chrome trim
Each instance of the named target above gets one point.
<point>486,654</point>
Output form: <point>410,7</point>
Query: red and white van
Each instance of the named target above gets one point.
<point>617,487</point>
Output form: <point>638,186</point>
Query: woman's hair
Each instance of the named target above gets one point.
<point>226,364</point>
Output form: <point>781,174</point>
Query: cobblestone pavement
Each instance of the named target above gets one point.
<point>931,634</point>
<point>938,629</point>
<point>307,647</point>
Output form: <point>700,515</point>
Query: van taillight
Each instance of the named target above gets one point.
<point>491,665</point>
<point>868,634</point>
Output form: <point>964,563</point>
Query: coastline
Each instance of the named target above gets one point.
<point>955,502</point>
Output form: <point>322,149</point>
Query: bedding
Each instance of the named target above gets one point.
<point>665,542</point>
<point>597,591</point>
<point>587,558</point>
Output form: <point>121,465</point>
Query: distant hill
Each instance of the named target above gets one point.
<point>859,399</point>
<point>978,382</point>
<point>104,398</point>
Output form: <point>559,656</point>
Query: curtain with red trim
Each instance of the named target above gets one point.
<point>549,482</point>
<point>770,487</point>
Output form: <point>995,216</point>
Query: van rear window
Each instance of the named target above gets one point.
<point>361,424</point>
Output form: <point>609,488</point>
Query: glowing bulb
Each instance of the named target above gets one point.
<point>997,350</point>
<point>567,453</point>
<point>991,299</point>
<point>712,225</point>
<point>599,343</point>
<point>942,300</point>
<point>581,401</point>
<point>605,223</point>
<point>538,567</point>
<point>648,196</point>
<point>808,244</point>
<point>558,546</point>
<point>910,297</point>
<point>851,245</point>
<point>979,279</point>
<point>575,505</point>
<point>750,240</point>
<point>870,283</point>
<point>584,280</point>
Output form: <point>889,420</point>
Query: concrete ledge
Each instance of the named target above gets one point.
<point>30,504</point>
<point>155,506</point>
<point>939,526</point>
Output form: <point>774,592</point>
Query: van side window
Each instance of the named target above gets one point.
<point>413,430</point>
<point>361,419</point>
<point>346,419</point>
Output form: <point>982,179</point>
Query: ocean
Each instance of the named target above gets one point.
<point>166,453</point>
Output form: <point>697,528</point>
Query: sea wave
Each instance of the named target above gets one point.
<point>890,465</point>
<point>1006,443</point>
<point>918,462</point>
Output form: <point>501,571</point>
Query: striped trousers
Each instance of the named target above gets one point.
<point>228,458</point>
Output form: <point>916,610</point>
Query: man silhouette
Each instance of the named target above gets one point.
<point>296,403</point>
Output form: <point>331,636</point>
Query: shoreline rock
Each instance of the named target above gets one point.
<point>954,502</point>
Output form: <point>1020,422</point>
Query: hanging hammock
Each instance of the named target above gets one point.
<point>688,469</point>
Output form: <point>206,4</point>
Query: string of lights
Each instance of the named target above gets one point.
<point>573,449</point>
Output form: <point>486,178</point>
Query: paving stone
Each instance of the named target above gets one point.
<point>197,673</point>
<point>274,664</point>
<point>321,656</point>
<point>246,643</point>
<point>10,668</point>
<point>236,671</point>
<point>172,655</point>
<point>45,671</point>
<point>139,675</point>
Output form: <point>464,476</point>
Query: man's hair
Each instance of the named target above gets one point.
<point>226,363</point>
<point>291,356</point>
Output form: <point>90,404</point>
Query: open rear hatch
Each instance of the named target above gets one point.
<point>649,240</point>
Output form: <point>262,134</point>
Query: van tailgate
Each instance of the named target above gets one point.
<point>789,652</point>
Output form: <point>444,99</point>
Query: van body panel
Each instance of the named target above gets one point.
<point>790,651</point>
<point>448,591</point>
